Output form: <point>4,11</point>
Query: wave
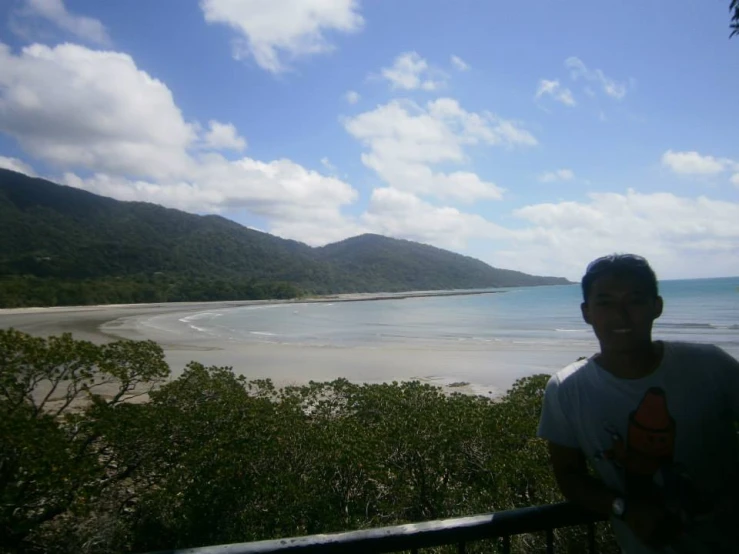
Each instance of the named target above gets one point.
<point>260,307</point>
<point>262,333</point>
<point>199,316</point>
<point>203,315</point>
<point>695,325</point>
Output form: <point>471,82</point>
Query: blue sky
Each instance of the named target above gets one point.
<point>534,136</point>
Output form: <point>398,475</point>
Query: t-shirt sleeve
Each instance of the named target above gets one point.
<point>554,425</point>
<point>730,374</point>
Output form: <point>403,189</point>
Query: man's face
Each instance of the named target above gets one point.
<point>621,311</point>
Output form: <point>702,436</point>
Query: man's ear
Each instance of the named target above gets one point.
<point>585,312</point>
<point>659,305</point>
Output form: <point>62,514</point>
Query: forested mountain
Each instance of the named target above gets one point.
<point>385,263</point>
<point>60,245</point>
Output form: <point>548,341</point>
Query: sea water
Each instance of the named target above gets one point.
<point>535,318</point>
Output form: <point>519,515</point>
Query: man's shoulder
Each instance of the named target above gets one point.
<point>702,359</point>
<point>683,349</point>
<point>571,374</point>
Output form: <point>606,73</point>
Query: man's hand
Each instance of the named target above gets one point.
<point>571,471</point>
<point>652,524</point>
<point>647,517</point>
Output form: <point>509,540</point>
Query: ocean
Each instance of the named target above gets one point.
<point>535,318</point>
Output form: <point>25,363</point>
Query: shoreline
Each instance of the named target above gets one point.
<point>487,369</point>
<point>344,297</point>
<point>97,323</point>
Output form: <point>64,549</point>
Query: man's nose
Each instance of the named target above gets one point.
<point>623,312</point>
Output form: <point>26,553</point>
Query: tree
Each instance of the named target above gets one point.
<point>735,17</point>
<point>213,457</point>
<point>54,460</point>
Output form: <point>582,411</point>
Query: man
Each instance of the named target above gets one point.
<point>655,421</point>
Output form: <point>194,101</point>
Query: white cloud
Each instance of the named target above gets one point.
<point>472,127</point>
<point>410,72</point>
<point>325,162</point>
<point>556,91</point>
<point>735,179</point>
<point>180,195</point>
<point>558,175</point>
<point>117,131</point>
<point>14,164</point>
<point>279,190</point>
<point>565,96</point>
<point>693,163</point>
<point>578,70</point>
<point>272,30</point>
<point>547,87</point>
<point>72,106</point>
<point>54,11</point>
<point>459,63</point>
<point>403,215</point>
<point>669,230</point>
<point>682,237</point>
<point>318,229</point>
<point>297,203</point>
<point>405,140</point>
<point>223,136</point>
<point>352,97</point>
<point>95,113</point>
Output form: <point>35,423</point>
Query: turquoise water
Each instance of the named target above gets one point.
<point>705,310</point>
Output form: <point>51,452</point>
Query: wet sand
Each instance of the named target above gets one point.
<point>488,369</point>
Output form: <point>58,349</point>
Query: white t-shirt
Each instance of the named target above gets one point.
<point>672,432</point>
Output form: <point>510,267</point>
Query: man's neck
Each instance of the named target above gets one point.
<point>632,364</point>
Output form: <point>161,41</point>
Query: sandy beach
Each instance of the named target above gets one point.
<point>486,369</point>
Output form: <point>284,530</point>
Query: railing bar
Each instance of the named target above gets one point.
<point>550,541</point>
<point>591,538</point>
<point>500,526</point>
<point>462,547</point>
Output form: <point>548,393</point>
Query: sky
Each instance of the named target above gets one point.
<point>534,136</point>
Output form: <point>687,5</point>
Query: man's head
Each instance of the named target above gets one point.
<point>621,301</point>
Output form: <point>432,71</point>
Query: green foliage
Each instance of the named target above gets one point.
<point>381,263</point>
<point>213,457</point>
<point>64,246</point>
<point>54,460</point>
<point>734,7</point>
<point>18,291</point>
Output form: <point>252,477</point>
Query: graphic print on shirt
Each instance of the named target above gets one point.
<point>650,438</point>
<point>646,458</point>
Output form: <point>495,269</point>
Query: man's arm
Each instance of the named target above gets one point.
<point>568,461</point>
<point>730,383</point>
<point>646,520</point>
<point>571,473</point>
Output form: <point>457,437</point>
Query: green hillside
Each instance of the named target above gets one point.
<point>392,263</point>
<point>64,246</point>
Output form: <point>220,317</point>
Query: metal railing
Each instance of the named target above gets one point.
<point>414,536</point>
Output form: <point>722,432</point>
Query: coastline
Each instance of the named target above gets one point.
<point>484,370</point>
<point>96,323</point>
<point>220,304</point>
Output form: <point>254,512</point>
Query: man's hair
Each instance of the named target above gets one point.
<point>620,264</point>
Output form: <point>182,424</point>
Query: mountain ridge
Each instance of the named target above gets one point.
<point>55,238</point>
